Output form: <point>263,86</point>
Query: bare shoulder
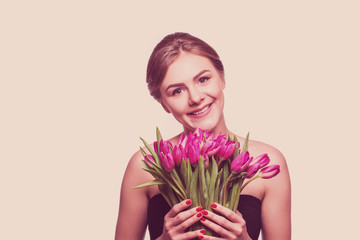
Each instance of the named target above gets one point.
<point>134,172</point>
<point>257,147</point>
<point>277,194</point>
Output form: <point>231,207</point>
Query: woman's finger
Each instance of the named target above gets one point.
<point>192,235</point>
<point>183,216</point>
<point>186,221</point>
<point>178,208</point>
<point>216,227</point>
<point>228,213</point>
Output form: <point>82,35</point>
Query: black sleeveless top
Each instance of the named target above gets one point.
<point>249,207</point>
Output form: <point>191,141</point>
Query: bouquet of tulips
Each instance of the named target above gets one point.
<point>204,167</point>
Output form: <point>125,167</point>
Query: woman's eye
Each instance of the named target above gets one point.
<point>203,79</point>
<point>177,91</point>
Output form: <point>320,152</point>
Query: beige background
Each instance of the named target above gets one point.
<point>74,102</point>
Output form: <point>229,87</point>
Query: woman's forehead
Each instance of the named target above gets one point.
<point>185,67</point>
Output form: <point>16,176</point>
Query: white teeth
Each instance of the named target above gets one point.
<point>203,110</point>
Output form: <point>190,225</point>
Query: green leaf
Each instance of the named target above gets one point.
<point>164,193</point>
<point>246,143</point>
<point>142,152</point>
<point>237,196</point>
<point>188,178</point>
<point>183,171</point>
<point>151,183</point>
<point>151,150</point>
<point>212,181</point>
<point>168,194</point>
<point>236,152</point>
<point>233,193</point>
<point>204,196</point>
<point>225,176</point>
<point>178,184</point>
<point>218,186</point>
<point>193,186</point>
<point>167,178</point>
<point>158,137</point>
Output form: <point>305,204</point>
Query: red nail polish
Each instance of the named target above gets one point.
<point>199,209</point>
<point>188,202</point>
<point>203,231</point>
<point>213,205</point>
<point>205,212</point>
<point>200,237</point>
<point>203,219</point>
<point>199,214</point>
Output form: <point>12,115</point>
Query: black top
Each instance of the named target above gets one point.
<point>249,207</point>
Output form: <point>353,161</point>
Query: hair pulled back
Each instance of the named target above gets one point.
<point>168,49</point>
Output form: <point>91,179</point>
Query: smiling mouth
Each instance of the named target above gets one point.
<point>201,111</point>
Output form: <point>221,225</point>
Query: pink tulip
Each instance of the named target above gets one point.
<point>210,148</point>
<point>252,170</point>
<point>221,140</point>
<point>183,140</point>
<point>149,158</point>
<point>209,135</point>
<point>241,162</point>
<point>178,154</point>
<point>262,160</point>
<point>226,151</point>
<point>199,133</point>
<point>269,171</point>
<point>163,147</point>
<point>167,161</point>
<point>193,152</point>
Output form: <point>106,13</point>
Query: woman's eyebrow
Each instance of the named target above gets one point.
<point>194,78</point>
<point>200,73</point>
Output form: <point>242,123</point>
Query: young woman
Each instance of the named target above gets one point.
<point>186,76</point>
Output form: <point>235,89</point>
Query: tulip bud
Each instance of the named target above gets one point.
<point>167,161</point>
<point>269,171</point>
<point>252,170</point>
<point>210,148</point>
<point>178,154</point>
<point>149,158</point>
<point>193,152</point>
<point>262,160</point>
<point>241,162</point>
<point>226,151</point>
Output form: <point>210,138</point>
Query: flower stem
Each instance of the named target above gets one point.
<point>249,181</point>
<point>179,187</point>
<point>225,188</point>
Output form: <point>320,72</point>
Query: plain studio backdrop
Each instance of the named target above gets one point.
<point>74,103</point>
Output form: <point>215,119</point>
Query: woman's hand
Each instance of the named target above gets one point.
<point>176,221</point>
<point>228,225</point>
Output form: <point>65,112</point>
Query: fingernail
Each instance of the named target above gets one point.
<point>200,237</point>
<point>199,214</point>
<point>188,202</point>
<point>203,231</point>
<point>199,209</point>
<point>213,205</point>
<point>205,212</point>
<point>203,219</point>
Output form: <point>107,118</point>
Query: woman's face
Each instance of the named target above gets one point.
<point>192,91</point>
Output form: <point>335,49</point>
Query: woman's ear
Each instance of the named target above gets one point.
<point>164,107</point>
<point>222,83</point>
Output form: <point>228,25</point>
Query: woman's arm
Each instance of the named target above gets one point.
<point>133,202</point>
<point>276,205</point>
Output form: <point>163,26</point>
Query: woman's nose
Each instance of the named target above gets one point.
<point>195,96</point>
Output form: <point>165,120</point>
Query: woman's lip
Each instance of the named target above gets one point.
<point>203,113</point>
